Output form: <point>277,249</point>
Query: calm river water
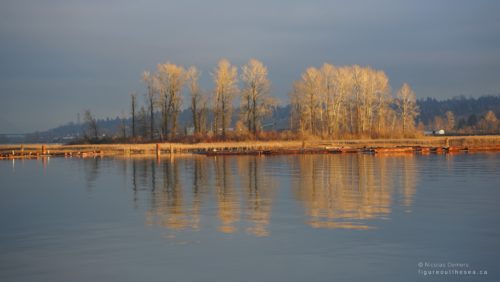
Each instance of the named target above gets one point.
<point>251,218</point>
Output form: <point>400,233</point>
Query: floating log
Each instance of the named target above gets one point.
<point>235,151</point>
<point>393,150</point>
<point>283,152</point>
<point>339,150</point>
<point>492,148</point>
<point>437,150</point>
<point>423,150</point>
<point>455,149</point>
<point>349,150</point>
<point>232,153</point>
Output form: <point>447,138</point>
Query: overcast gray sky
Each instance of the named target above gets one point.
<point>60,57</point>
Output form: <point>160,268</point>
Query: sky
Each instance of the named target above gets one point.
<point>61,57</point>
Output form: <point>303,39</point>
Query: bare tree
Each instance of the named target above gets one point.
<point>359,77</point>
<point>256,102</point>
<point>450,120</point>
<point>408,108</point>
<point>438,123</point>
<point>198,102</point>
<point>143,122</point>
<point>296,112</point>
<point>225,79</point>
<point>329,95</point>
<point>491,122</point>
<point>171,79</point>
<point>133,108</point>
<point>92,129</point>
<point>308,89</point>
<point>123,126</point>
<point>383,102</point>
<point>151,97</point>
<point>351,100</point>
<point>344,85</point>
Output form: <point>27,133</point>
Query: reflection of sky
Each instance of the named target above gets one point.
<point>90,54</point>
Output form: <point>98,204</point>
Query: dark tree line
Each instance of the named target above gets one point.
<point>461,115</point>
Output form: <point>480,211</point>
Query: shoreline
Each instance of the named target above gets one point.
<point>377,146</point>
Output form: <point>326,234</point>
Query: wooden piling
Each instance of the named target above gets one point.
<point>44,150</point>
<point>158,152</point>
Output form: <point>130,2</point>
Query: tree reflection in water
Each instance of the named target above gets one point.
<point>336,191</point>
<point>347,191</point>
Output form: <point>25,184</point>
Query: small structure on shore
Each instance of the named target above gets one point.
<point>438,132</point>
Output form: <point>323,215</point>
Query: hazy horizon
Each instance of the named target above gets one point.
<point>59,58</point>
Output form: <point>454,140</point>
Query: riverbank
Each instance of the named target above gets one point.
<point>378,146</point>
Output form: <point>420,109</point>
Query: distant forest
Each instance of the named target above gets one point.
<point>329,102</point>
<point>469,114</point>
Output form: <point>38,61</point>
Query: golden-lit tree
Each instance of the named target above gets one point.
<point>408,108</point>
<point>328,102</point>
<point>225,78</point>
<point>383,110</point>
<point>197,105</point>
<point>489,123</point>
<point>255,102</point>
<point>342,111</point>
<point>171,79</point>
<point>356,98</point>
<point>329,96</point>
<point>335,101</point>
<point>306,93</point>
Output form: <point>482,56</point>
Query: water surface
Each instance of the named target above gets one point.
<point>250,218</point>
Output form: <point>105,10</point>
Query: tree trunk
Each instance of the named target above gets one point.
<point>254,114</point>
<point>133,105</point>
<point>223,118</point>
<point>151,111</point>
